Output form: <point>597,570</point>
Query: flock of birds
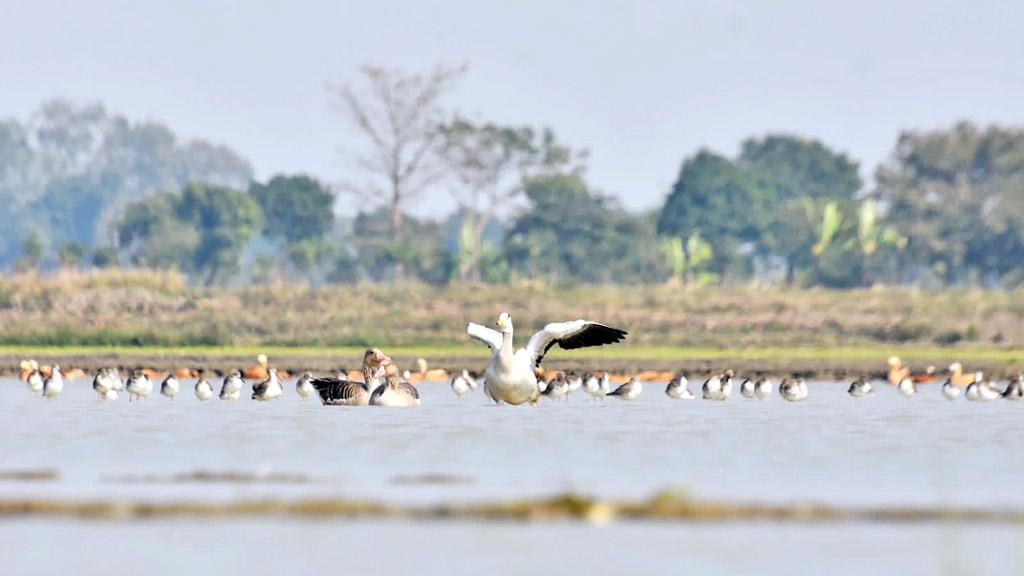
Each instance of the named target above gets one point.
<point>511,377</point>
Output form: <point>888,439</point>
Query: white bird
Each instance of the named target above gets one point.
<point>35,381</point>
<point>510,376</point>
<point>793,389</point>
<point>303,386</point>
<point>105,384</point>
<point>464,383</point>
<point>981,390</point>
<point>718,387</point>
<point>950,390</point>
<point>231,388</point>
<point>860,388</point>
<point>394,393</point>
<point>762,388</point>
<point>628,391</point>
<point>170,386</point>
<point>556,388</point>
<point>574,381</point>
<point>139,385</point>
<point>269,389</point>
<point>747,388</point>
<point>203,388</point>
<point>54,383</point>
<point>907,387</point>
<point>116,384</point>
<point>1014,389</point>
<point>679,388</point>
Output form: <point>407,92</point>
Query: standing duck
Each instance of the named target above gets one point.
<point>574,382</point>
<point>597,386</point>
<point>718,387</point>
<point>510,375</point>
<point>950,390</point>
<point>104,384</point>
<point>303,386</point>
<point>762,388</point>
<point>54,383</point>
<point>793,389</point>
<point>170,386</point>
<point>628,391</point>
<point>139,385</point>
<point>1014,389</point>
<point>394,393</point>
<point>203,388</point>
<point>35,379</point>
<point>464,383</point>
<point>556,388</point>
<point>231,388</point>
<point>679,388</point>
<point>860,388</point>
<point>269,389</point>
<point>344,392</point>
<point>747,388</point>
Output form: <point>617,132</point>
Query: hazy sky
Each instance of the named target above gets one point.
<point>642,84</point>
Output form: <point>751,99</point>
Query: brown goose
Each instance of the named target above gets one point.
<point>393,392</point>
<point>344,392</point>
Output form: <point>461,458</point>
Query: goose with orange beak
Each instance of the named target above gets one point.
<point>510,377</point>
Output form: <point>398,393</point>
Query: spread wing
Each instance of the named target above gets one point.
<point>336,390</point>
<point>484,334</point>
<point>571,335</point>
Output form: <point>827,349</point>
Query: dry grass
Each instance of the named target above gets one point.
<point>138,307</point>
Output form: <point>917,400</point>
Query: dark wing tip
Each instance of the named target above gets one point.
<point>593,334</point>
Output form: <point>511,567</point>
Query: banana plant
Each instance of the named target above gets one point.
<point>831,220</point>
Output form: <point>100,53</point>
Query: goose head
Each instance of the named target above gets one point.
<point>373,357</point>
<point>505,323</point>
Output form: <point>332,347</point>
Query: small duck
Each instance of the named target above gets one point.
<point>303,386</point>
<point>557,387</point>
<point>53,385</point>
<point>269,389</point>
<point>860,388</point>
<point>139,385</point>
<point>203,388</point>
<point>957,376</point>
<point>592,385</point>
<point>34,378</point>
<point>104,384</point>
<point>464,383</point>
<point>718,387</point>
<point>231,388</point>
<point>907,387</point>
<point>747,388</point>
<point>628,391</point>
<point>1014,390</point>
<point>573,381</point>
<point>170,386</point>
<point>679,388</point>
<point>793,389</point>
<point>950,390</point>
<point>762,388</point>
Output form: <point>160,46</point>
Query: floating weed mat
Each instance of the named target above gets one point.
<point>564,507</point>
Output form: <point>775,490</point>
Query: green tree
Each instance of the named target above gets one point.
<point>717,200</point>
<point>958,197</point>
<point>299,210</point>
<point>71,254</point>
<point>800,178</point>
<point>489,165</point>
<point>225,219</point>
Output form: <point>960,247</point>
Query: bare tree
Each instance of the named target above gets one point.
<point>398,113</point>
<point>490,165</point>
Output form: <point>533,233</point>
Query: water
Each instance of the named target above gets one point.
<point>833,449</point>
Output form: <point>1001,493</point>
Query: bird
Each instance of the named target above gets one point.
<point>1014,389</point>
<point>592,386</point>
<point>510,376</point>
<point>793,389</point>
<point>231,387</point>
<point>139,385</point>
<point>957,376</point>
<point>628,391</point>
<point>464,383</point>
<point>105,384</point>
<point>679,388</point>
<point>747,388</point>
<point>303,386</point>
<point>926,378</point>
<point>907,387</point>
<point>203,388</point>
<point>269,389</point>
<point>718,387</point>
<point>762,388</point>
<point>950,390</point>
<point>860,388</point>
<point>170,386</point>
<point>981,390</point>
<point>54,383</point>
<point>897,372</point>
<point>35,378</point>
<point>574,381</point>
<point>394,393</point>
<point>344,392</point>
<point>557,387</point>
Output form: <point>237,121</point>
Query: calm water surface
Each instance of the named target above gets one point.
<point>833,449</point>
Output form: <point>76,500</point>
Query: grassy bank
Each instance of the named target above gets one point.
<point>158,310</point>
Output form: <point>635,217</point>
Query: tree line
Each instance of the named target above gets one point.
<point>83,187</point>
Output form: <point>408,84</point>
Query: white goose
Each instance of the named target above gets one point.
<point>54,384</point>
<point>510,376</point>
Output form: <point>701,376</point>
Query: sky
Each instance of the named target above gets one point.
<point>641,84</point>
